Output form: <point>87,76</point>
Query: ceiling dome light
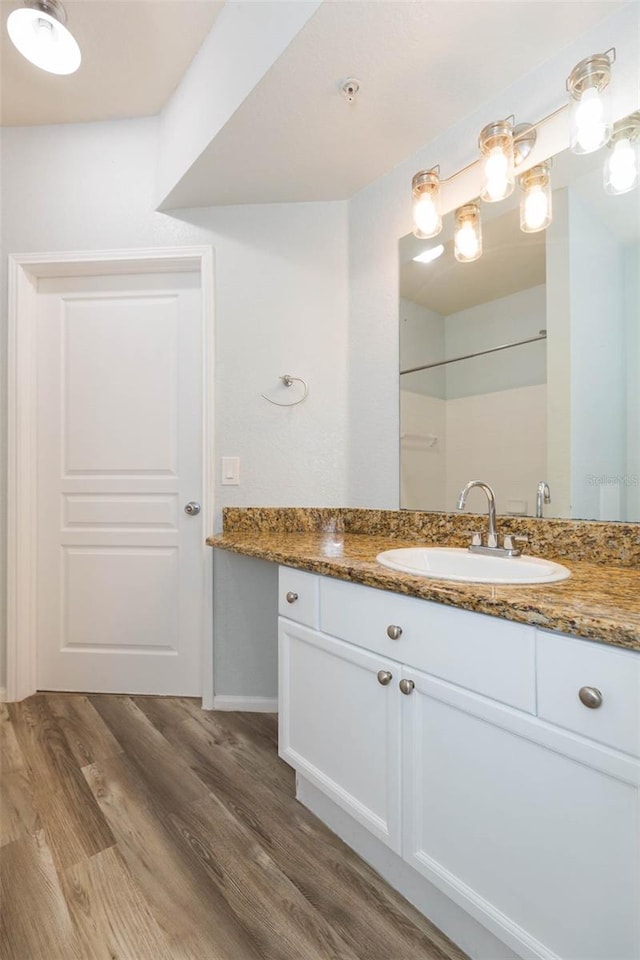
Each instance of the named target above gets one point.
<point>38,32</point>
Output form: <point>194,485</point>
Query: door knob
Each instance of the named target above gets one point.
<point>384,677</point>
<point>192,508</point>
<point>406,686</point>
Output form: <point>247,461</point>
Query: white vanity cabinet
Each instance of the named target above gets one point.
<point>455,739</point>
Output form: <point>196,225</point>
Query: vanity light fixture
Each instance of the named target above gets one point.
<point>427,216</point>
<point>589,90</point>
<point>535,203</point>
<point>37,30</point>
<point>468,233</point>
<point>428,256</point>
<point>621,166</point>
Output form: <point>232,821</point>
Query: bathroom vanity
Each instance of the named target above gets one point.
<point>494,760</point>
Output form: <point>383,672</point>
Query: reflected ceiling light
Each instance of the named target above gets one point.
<point>590,102</point>
<point>428,256</point>
<point>427,216</point>
<point>496,145</point>
<point>468,233</point>
<point>535,204</point>
<point>621,166</point>
<point>38,32</point>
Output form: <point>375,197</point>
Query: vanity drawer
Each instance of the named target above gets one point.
<point>298,596</point>
<point>490,656</point>
<point>566,665</point>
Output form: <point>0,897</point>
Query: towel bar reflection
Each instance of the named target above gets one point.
<point>288,380</point>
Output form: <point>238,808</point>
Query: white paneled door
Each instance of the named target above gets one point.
<point>119,454</point>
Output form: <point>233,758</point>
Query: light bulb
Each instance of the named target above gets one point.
<point>43,40</point>
<point>535,208</point>
<point>621,168</point>
<point>467,241</point>
<point>496,171</point>
<point>426,217</point>
<point>591,129</point>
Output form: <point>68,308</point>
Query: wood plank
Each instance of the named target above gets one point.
<point>252,750</point>
<point>18,814</point>
<point>265,723</point>
<point>88,737</point>
<point>35,922</point>
<point>72,820</point>
<point>171,780</point>
<point>187,906</point>
<point>376,921</point>
<point>277,916</point>
<point>110,915</point>
<point>166,712</point>
<point>11,758</point>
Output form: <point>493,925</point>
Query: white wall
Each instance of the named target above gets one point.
<point>509,319</point>
<point>422,340</point>
<point>381,214</point>
<point>423,450</point>
<point>632,313</point>
<point>280,296</point>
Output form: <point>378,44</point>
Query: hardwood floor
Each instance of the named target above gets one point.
<point>142,828</point>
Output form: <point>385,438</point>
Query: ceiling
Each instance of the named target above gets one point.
<point>423,65</point>
<point>134,53</point>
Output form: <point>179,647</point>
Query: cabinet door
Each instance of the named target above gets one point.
<point>529,829</point>
<point>340,726</point>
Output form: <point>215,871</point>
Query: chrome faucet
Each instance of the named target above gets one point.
<point>492,545</point>
<point>543,496</point>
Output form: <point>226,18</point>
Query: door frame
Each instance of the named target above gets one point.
<point>22,521</point>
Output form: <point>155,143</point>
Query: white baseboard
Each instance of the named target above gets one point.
<point>249,704</point>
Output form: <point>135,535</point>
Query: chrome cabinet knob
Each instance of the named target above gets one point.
<point>591,697</point>
<point>291,597</point>
<point>192,508</point>
<point>394,632</point>
<point>406,686</point>
<point>384,677</point>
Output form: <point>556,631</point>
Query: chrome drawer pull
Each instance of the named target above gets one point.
<point>406,686</point>
<point>384,677</point>
<point>394,632</point>
<point>291,597</point>
<point>591,697</point>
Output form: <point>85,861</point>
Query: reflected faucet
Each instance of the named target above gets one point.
<point>492,540</point>
<point>543,496</point>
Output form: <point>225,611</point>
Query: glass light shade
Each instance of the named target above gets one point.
<point>496,145</point>
<point>43,40</point>
<point>621,167</point>
<point>468,233</point>
<point>427,215</point>
<point>590,114</point>
<point>535,203</point>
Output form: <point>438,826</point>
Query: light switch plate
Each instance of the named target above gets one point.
<point>230,471</point>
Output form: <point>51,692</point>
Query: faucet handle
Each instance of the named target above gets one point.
<point>476,538</point>
<point>510,539</point>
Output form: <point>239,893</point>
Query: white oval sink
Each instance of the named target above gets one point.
<point>457,563</point>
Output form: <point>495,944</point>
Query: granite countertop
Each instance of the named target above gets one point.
<point>599,602</point>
